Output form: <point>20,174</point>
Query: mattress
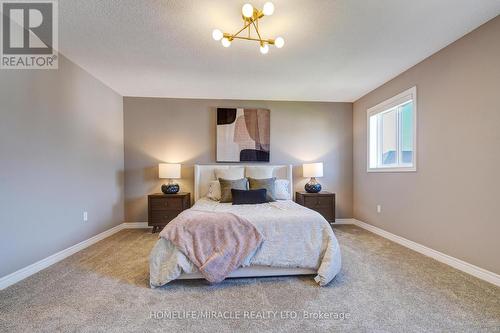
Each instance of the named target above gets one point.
<point>294,237</point>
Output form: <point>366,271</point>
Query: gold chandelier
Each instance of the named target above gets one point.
<point>251,17</point>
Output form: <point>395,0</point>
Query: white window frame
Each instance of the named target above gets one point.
<point>402,98</point>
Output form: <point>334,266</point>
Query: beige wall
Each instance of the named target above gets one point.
<point>183,130</point>
<point>61,152</point>
<point>451,203</point>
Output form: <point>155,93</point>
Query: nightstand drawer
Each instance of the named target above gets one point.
<point>323,203</point>
<point>163,217</point>
<point>318,201</point>
<point>163,208</point>
<point>166,204</point>
<point>327,213</point>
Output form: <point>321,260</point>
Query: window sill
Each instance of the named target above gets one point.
<point>400,169</point>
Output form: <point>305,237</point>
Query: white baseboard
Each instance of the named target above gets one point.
<point>135,225</point>
<point>439,256</point>
<point>25,272</point>
<point>478,272</point>
<point>342,221</point>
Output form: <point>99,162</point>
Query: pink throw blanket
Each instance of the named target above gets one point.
<point>217,243</point>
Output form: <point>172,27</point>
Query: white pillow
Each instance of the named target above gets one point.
<point>214,190</point>
<point>282,190</point>
<point>232,173</point>
<point>259,172</point>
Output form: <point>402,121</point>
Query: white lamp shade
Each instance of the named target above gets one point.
<point>312,169</point>
<point>169,171</point>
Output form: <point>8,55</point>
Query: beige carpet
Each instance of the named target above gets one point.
<point>383,287</point>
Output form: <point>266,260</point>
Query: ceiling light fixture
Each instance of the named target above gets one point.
<point>226,42</point>
<point>251,17</point>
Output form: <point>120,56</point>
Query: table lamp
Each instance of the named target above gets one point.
<point>312,170</point>
<point>169,171</point>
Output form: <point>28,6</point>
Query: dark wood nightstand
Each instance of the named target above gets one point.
<point>322,202</point>
<point>163,208</point>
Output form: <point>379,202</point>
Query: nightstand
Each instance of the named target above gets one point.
<point>322,202</point>
<point>163,208</point>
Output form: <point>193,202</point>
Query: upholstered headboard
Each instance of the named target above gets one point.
<point>203,174</point>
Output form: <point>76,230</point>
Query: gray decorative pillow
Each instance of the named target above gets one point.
<point>226,185</point>
<point>268,184</point>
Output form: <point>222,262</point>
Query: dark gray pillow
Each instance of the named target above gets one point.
<point>226,185</point>
<point>267,183</point>
<point>249,197</point>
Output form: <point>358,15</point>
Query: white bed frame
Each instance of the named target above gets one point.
<point>203,174</point>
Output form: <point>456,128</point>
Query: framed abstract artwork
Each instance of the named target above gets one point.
<point>243,135</point>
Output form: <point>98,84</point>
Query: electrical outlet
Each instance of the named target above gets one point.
<point>379,209</point>
<point>85,216</point>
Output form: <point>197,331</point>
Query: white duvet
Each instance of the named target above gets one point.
<point>294,237</point>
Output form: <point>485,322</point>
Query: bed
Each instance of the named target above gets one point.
<point>297,240</point>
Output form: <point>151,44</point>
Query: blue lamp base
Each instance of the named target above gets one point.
<point>312,186</point>
<point>170,188</point>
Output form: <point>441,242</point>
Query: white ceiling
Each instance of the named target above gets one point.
<point>336,50</point>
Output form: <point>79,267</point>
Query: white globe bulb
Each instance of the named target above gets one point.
<point>217,34</point>
<point>279,42</point>
<point>247,10</point>
<point>264,49</point>
<point>268,9</point>
<point>226,42</point>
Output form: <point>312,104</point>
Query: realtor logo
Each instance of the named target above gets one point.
<point>29,34</point>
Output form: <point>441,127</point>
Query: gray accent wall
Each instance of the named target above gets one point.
<point>451,204</point>
<point>184,131</point>
<point>61,153</point>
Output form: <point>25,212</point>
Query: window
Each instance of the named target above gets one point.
<point>392,133</point>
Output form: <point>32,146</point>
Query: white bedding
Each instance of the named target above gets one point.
<point>294,237</point>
